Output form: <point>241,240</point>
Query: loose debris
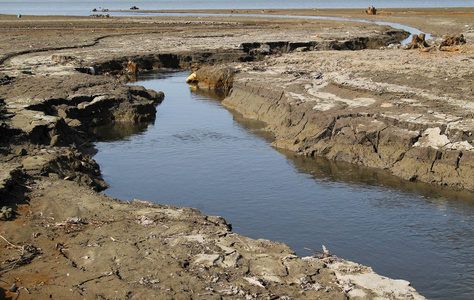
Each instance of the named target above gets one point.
<point>6,213</point>
<point>255,281</point>
<point>418,42</point>
<point>76,224</point>
<point>324,256</point>
<point>27,253</point>
<point>453,40</point>
<point>450,41</point>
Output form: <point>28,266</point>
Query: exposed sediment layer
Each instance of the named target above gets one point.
<point>62,239</point>
<point>75,242</point>
<point>359,108</point>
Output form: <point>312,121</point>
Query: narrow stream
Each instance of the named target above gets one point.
<point>199,154</point>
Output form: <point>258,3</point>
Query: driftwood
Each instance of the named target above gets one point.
<point>418,42</point>
<point>28,252</point>
<point>371,11</point>
<point>453,40</point>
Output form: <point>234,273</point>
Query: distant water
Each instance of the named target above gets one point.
<point>66,7</point>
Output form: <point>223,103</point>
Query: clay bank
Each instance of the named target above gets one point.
<point>409,112</point>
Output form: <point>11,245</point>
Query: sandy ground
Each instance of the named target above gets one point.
<point>67,240</point>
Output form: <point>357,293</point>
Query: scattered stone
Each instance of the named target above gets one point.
<point>75,220</point>
<point>142,202</point>
<point>145,220</point>
<point>148,281</point>
<point>107,16</point>
<point>394,46</point>
<point>207,260</point>
<point>6,213</point>
<point>61,58</point>
<point>255,281</point>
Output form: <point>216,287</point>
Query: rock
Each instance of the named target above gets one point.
<point>61,58</point>
<point>75,220</point>
<point>133,8</point>
<point>207,260</point>
<point>6,213</point>
<point>394,46</point>
<point>145,220</point>
<point>357,280</point>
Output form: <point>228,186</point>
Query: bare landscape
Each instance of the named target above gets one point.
<point>342,90</point>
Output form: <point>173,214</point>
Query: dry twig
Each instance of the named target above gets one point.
<point>24,258</point>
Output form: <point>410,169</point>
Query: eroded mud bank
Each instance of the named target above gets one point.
<point>63,239</point>
<point>412,121</point>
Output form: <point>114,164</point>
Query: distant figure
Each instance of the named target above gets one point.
<point>371,11</point>
<point>19,16</point>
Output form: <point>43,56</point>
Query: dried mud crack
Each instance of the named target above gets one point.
<point>61,238</point>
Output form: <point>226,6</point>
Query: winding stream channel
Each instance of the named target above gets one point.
<point>199,154</point>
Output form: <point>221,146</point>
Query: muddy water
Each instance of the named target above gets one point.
<point>199,154</point>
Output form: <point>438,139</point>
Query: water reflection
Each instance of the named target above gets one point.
<point>323,170</point>
<point>217,94</point>
<point>119,131</point>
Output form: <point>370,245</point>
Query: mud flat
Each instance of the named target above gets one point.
<point>61,238</point>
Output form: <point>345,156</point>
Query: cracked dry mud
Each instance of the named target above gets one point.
<point>406,111</point>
